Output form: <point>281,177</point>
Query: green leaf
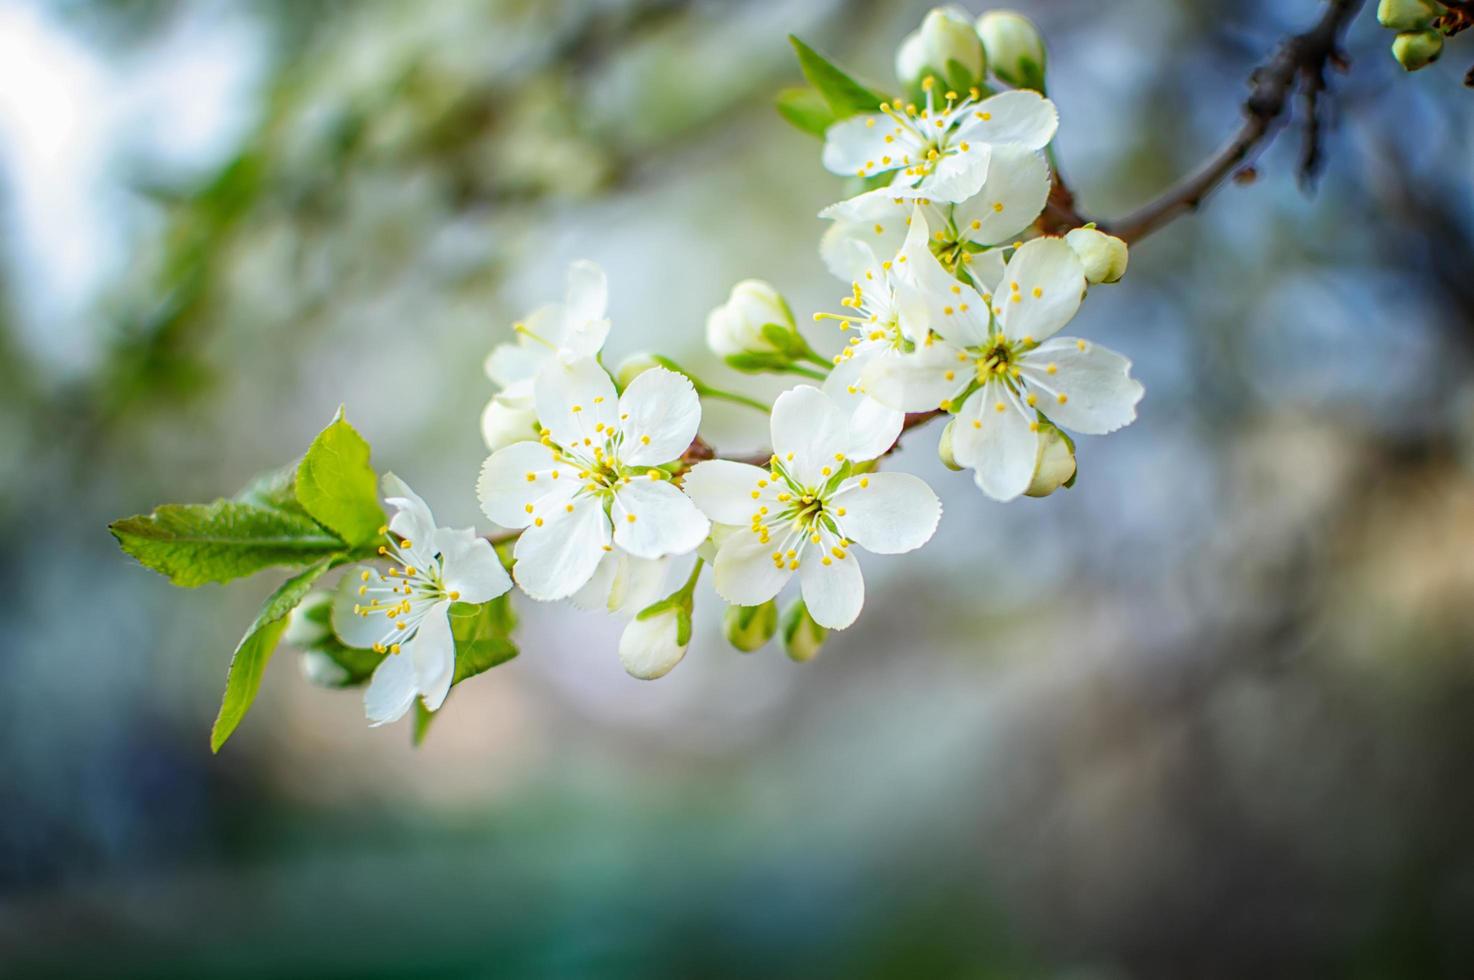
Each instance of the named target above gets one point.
<point>423,717</point>
<point>275,490</point>
<point>483,635</point>
<point>358,664</point>
<point>806,109</point>
<point>846,97</point>
<point>337,486</point>
<point>249,661</point>
<point>193,544</point>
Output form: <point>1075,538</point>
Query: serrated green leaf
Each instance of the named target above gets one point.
<point>275,490</point>
<point>248,663</point>
<point>806,109</point>
<point>483,635</point>
<point>846,97</point>
<point>193,544</point>
<point>337,486</point>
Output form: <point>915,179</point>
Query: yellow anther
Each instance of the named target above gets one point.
<point>1051,368</point>
<point>1038,293</point>
<point>538,522</point>
<point>1063,398</point>
<point>864,482</point>
<point>455,596</point>
<point>531,477</point>
<point>578,408</point>
<point>793,566</point>
<point>630,518</point>
<point>1033,399</point>
<point>364,576</point>
<point>528,508</point>
<point>998,406</point>
<point>1081,345</point>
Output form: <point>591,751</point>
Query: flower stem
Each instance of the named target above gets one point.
<point>803,372</point>
<point>730,396</point>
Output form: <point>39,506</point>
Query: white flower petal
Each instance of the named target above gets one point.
<point>887,513</point>
<point>953,309</point>
<point>574,399</point>
<point>433,652</point>
<point>957,176</point>
<point>916,382</point>
<point>587,298</point>
<point>856,143</point>
<point>557,559</point>
<point>1010,199</point>
<point>649,648</point>
<point>808,429</point>
<point>745,574</point>
<point>724,489</point>
<point>1051,283</point>
<point>834,592</point>
<point>1100,394</point>
<point>1021,116</point>
<point>351,628</point>
<point>469,566</point>
<point>505,491</point>
<point>508,364</point>
<point>873,426</point>
<point>659,414</point>
<point>392,689</point>
<point>637,583</point>
<point>594,596</point>
<point>999,446</point>
<point>986,271</point>
<point>502,424</point>
<point>652,519</point>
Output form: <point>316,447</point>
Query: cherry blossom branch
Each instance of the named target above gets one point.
<point>1297,66</point>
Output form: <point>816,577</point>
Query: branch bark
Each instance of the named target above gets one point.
<point>1298,65</point>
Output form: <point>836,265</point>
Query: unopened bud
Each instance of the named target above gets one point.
<point>1054,465</point>
<point>802,637</point>
<point>633,366</point>
<point>1408,15</point>
<point>1417,49</point>
<point>309,624</point>
<point>320,669</point>
<point>1103,256</point>
<point>950,47</point>
<point>749,628</point>
<point>655,641</point>
<point>1014,47</point>
<point>944,448</point>
<point>754,320</point>
<point>507,420</point>
<point>911,59</point>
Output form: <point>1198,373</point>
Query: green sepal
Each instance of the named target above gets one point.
<point>846,97</point>
<point>806,110</point>
<point>423,717</point>
<point>751,362</point>
<point>248,663</point>
<point>788,340</point>
<point>337,486</point>
<point>958,78</point>
<point>192,544</point>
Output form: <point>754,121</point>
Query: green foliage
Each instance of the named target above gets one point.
<point>483,635</point>
<point>337,486</point>
<point>192,544</point>
<point>248,663</point>
<point>806,109</point>
<point>846,97</point>
<point>275,489</point>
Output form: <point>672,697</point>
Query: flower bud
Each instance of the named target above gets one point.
<point>1408,15</point>
<point>505,421</point>
<point>1417,49</point>
<point>633,366</point>
<point>944,448</point>
<point>655,641</point>
<point>754,320</point>
<point>947,37</point>
<point>749,628</point>
<point>1054,465</point>
<point>1104,256</point>
<point>802,637</point>
<point>1014,48</point>
<point>309,625</point>
<point>911,59</point>
<point>321,669</point>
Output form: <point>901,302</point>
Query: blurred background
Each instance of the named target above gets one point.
<point>1208,714</point>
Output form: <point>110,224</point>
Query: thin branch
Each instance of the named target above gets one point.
<point>1299,65</point>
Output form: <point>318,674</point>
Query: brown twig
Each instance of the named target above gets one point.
<point>1298,66</point>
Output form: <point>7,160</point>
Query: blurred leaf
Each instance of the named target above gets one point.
<point>806,109</point>
<point>358,664</point>
<point>193,544</point>
<point>845,96</point>
<point>483,635</point>
<point>249,661</point>
<point>337,486</point>
<point>275,490</point>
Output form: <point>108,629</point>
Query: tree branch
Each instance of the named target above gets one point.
<point>1299,65</point>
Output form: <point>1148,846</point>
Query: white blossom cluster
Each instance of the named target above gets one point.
<point>954,308</point>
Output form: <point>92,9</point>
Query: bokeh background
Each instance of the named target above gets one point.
<point>1208,714</point>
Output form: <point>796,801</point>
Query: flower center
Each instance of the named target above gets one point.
<point>399,595</point>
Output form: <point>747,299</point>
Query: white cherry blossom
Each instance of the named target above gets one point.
<point>993,360</point>
<point>594,485</point>
<point>574,329</point>
<point>808,512</point>
<point>404,611</point>
<point>941,153</point>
